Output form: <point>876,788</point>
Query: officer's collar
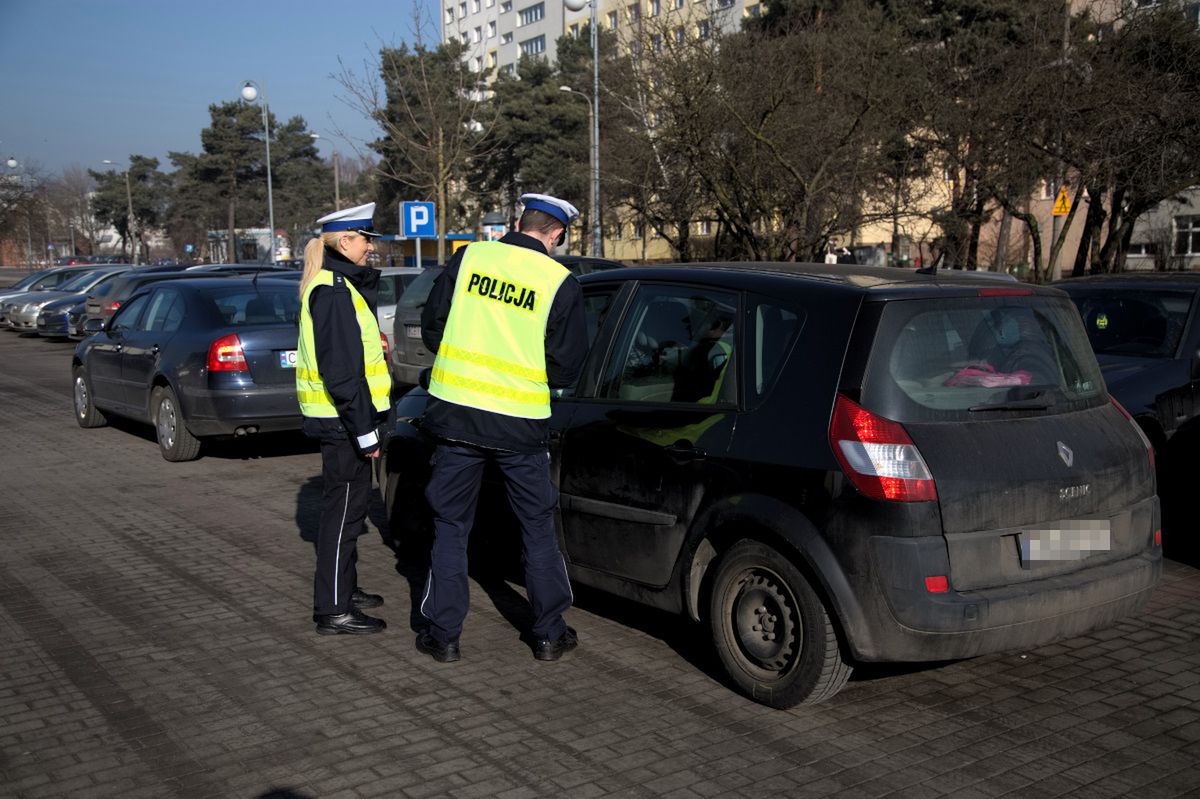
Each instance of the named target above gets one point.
<point>359,275</point>
<point>519,239</point>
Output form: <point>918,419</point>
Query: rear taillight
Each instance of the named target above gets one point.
<point>383,341</point>
<point>1141,433</point>
<point>225,355</point>
<point>878,456</point>
<point>111,307</point>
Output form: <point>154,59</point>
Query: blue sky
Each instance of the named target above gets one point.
<point>85,81</point>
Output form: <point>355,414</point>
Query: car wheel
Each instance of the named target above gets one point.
<point>86,412</point>
<point>176,443</point>
<point>771,630</point>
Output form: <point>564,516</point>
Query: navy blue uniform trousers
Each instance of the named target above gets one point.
<point>453,494</point>
<point>346,477</point>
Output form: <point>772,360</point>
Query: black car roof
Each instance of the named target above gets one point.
<point>850,277</point>
<point>1157,280</point>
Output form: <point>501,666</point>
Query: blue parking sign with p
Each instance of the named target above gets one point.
<point>418,221</point>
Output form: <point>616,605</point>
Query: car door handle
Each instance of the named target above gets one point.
<point>154,350</point>
<point>683,452</point>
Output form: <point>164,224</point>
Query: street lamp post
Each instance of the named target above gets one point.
<point>594,112</point>
<point>594,162</point>
<point>12,163</point>
<point>250,94</point>
<point>337,180</point>
<point>137,250</point>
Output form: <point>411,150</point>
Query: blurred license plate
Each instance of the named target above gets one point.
<point>412,331</point>
<point>287,359</point>
<point>1074,540</point>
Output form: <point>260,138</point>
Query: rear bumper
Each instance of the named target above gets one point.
<point>220,412</point>
<point>913,624</point>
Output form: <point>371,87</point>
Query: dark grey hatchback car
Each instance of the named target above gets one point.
<point>838,464</point>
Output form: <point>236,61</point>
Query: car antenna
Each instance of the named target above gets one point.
<point>933,267</point>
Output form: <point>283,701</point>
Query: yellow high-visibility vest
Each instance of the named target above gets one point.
<point>493,352</point>
<point>310,388</point>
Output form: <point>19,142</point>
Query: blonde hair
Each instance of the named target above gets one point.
<point>314,255</point>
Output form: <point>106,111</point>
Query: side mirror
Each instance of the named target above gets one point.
<point>93,326</point>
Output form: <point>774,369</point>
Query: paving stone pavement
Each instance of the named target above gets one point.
<point>155,641</point>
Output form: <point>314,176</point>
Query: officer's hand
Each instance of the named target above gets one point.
<point>373,453</point>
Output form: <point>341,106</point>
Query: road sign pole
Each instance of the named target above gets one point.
<point>418,263</point>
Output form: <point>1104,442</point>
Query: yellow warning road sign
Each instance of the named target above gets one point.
<point>1062,206</point>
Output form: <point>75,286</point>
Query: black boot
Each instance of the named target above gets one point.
<point>361,600</point>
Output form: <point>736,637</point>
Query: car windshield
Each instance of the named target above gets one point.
<point>25,282</point>
<point>78,282</point>
<point>415,295</point>
<point>1128,321</point>
<point>960,358</point>
<point>261,305</point>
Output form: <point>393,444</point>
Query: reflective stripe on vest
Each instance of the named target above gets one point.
<point>310,388</point>
<point>493,352</point>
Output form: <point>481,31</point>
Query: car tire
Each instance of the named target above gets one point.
<point>771,631</point>
<point>176,443</point>
<point>86,412</point>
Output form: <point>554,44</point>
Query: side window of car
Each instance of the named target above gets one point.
<point>387,290</point>
<point>677,344</point>
<point>155,318</point>
<point>596,304</point>
<point>127,316</point>
<point>775,330</point>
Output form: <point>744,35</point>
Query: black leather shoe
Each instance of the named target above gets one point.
<point>442,653</point>
<point>353,623</point>
<point>362,600</point>
<point>546,649</point>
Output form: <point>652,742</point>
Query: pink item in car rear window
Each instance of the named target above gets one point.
<point>985,375</point>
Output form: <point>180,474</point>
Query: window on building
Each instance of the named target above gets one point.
<point>532,14</point>
<point>465,38</point>
<point>574,31</point>
<point>477,63</point>
<point>534,46</point>
<point>702,29</point>
<point>506,6</point>
<point>656,39</point>
<point>475,6</point>
<point>1142,248</point>
<point>635,12</point>
<point>450,15</point>
<point>678,4</point>
<point>462,10</point>
<point>724,3</point>
<point>639,229</point>
<point>655,7</point>
<point>508,69</point>
<point>679,35</point>
<point>612,20</point>
<point>477,35</point>
<point>1187,235</point>
<point>615,232</point>
<point>704,227</point>
<point>754,10</point>
<point>491,30</point>
<point>506,38</point>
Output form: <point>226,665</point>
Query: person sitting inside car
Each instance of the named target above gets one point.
<point>702,368</point>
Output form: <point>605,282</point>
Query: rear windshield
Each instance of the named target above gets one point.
<point>415,295</point>
<point>79,282</point>
<point>248,305</point>
<point>1147,324</point>
<point>971,357</point>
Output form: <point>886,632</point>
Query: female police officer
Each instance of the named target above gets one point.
<point>342,384</point>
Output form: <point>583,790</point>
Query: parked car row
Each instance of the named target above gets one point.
<point>824,465</point>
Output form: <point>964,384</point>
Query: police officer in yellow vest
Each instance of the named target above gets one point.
<point>507,324</point>
<point>343,386</point>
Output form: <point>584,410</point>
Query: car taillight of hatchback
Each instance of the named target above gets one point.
<point>226,355</point>
<point>878,456</point>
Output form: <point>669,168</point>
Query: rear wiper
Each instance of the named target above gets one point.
<point>1036,403</point>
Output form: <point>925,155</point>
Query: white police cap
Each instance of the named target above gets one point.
<point>357,219</point>
<point>561,210</point>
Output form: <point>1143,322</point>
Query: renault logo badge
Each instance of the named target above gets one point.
<point>1064,452</point>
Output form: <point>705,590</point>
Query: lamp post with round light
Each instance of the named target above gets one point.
<point>594,109</point>
<point>337,181</point>
<point>137,249</point>
<point>13,163</point>
<point>250,93</point>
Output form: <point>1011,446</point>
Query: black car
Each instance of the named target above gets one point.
<point>408,355</point>
<point>835,464</point>
<point>1143,330</point>
<point>195,358</point>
